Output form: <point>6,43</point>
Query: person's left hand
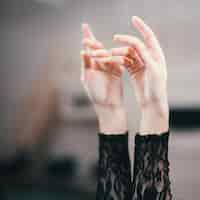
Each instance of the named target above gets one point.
<point>102,79</point>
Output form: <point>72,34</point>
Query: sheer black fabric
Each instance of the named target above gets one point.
<point>114,173</point>
<point>151,168</point>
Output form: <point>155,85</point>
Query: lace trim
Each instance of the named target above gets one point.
<point>114,177</point>
<point>151,168</point>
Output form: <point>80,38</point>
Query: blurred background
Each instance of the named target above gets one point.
<point>48,129</point>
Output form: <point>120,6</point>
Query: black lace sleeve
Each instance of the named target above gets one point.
<point>151,168</point>
<point>114,174</point>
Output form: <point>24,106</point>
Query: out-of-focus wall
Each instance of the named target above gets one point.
<point>33,29</point>
<point>29,28</point>
<point>41,40</point>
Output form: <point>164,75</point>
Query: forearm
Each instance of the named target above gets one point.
<point>151,180</point>
<point>111,120</point>
<point>114,173</point>
<point>155,117</point>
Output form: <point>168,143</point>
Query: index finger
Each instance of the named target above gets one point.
<point>148,35</point>
<point>87,32</point>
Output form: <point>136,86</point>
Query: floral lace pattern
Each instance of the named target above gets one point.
<point>114,174</point>
<point>151,168</point>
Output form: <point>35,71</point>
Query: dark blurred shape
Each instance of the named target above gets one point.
<point>81,101</point>
<point>94,171</point>
<point>62,168</point>
<point>2,192</point>
<point>185,117</point>
<point>16,165</point>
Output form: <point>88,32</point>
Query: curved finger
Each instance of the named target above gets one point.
<point>92,44</point>
<point>120,60</point>
<point>128,52</point>
<point>136,44</point>
<point>136,65</point>
<point>100,53</point>
<point>87,62</point>
<point>148,35</point>
<point>111,65</point>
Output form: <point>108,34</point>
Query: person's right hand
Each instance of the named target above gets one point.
<point>102,79</point>
<point>149,76</point>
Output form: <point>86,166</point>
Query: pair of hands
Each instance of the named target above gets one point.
<point>102,72</point>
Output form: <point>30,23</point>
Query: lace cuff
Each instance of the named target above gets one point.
<point>151,168</point>
<point>114,174</point>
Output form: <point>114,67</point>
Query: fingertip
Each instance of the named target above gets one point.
<point>84,24</point>
<point>133,19</point>
<point>87,31</point>
<point>136,19</point>
<point>84,27</point>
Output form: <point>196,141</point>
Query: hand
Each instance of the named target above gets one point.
<point>102,79</point>
<point>149,76</point>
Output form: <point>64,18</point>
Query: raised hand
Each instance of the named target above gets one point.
<point>102,79</point>
<point>149,76</point>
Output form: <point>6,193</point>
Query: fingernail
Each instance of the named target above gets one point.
<point>134,17</point>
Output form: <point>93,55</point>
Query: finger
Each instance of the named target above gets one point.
<point>138,60</point>
<point>87,62</point>
<point>135,43</point>
<point>132,54</point>
<point>128,52</point>
<point>100,53</point>
<point>120,60</point>
<point>100,66</point>
<point>148,35</point>
<point>111,65</point>
<point>92,44</point>
<point>87,32</point>
<point>123,51</point>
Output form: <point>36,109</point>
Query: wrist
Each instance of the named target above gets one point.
<point>155,118</point>
<point>112,120</point>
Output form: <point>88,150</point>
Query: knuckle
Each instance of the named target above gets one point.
<point>130,52</point>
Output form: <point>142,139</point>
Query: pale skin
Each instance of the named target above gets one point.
<point>101,78</point>
<point>146,65</point>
